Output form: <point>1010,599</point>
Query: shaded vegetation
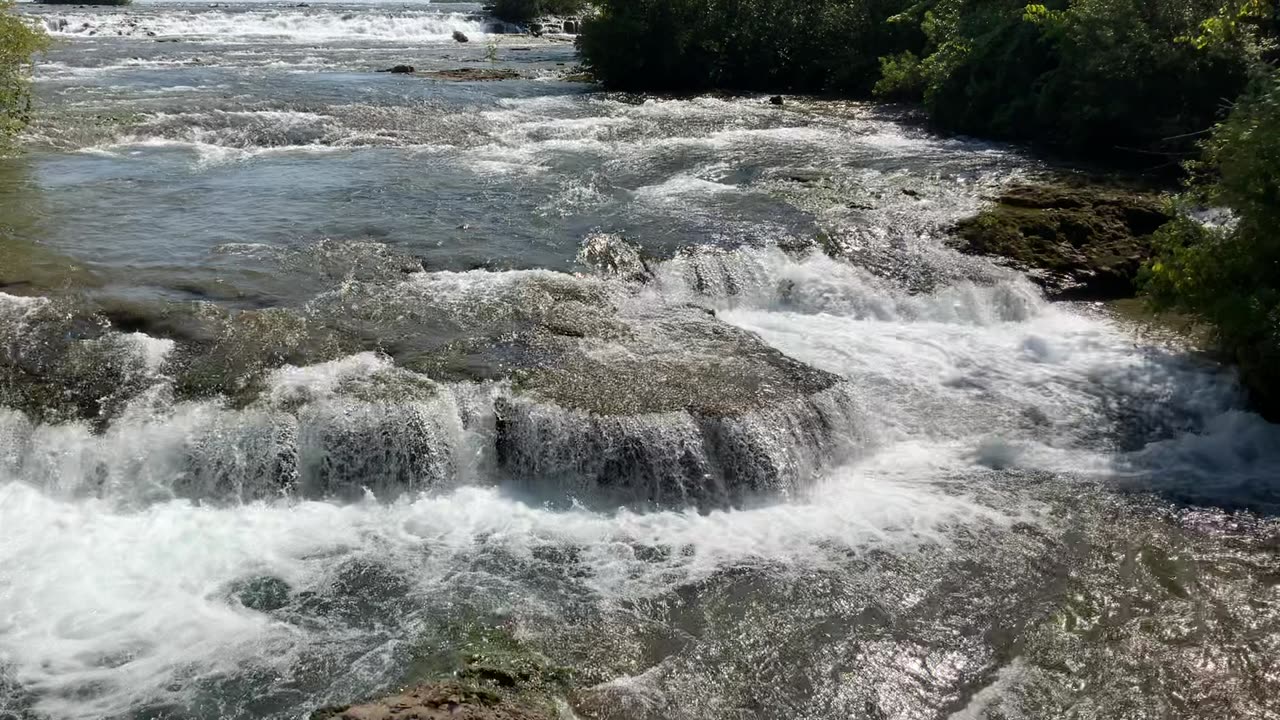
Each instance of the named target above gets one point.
<point>792,45</point>
<point>1227,269</point>
<point>522,11</point>
<point>19,40</point>
<point>1138,78</point>
<point>1132,79</point>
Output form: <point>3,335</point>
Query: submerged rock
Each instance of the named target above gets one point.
<point>264,593</point>
<point>1079,243</point>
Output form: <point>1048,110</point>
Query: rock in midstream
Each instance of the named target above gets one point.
<point>574,386</point>
<point>682,409</point>
<point>435,701</point>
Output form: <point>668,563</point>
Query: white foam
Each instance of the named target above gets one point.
<point>118,609</point>
<point>283,24</point>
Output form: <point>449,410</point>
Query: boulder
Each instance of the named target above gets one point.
<point>399,70</point>
<point>460,36</point>
<point>1079,242</point>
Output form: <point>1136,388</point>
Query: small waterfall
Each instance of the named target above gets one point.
<point>677,459</point>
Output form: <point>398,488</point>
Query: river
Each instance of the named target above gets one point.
<point>306,365</point>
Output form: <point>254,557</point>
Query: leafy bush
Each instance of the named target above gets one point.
<point>793,45</point>
<point>1230,273</point>
<point>19,40</point>
<point>1092,77</point>
<point>522,11</point>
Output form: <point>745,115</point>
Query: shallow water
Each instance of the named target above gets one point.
<point>273,319</point>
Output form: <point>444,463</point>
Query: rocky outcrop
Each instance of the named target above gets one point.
<point>438,701</point>
<point>481,673</point>
<point>472,74</point>
<point>1078,242</point>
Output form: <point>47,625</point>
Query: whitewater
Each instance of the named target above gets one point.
<point>304,365</point>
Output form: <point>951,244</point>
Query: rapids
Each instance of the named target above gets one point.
<point>302,366</point>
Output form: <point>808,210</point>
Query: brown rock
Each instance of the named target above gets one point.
<point>436,701</point>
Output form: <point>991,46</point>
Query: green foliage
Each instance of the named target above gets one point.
<point>793,45</point>
<point>1230,274</point>
<point>1092,77</point>
<point>19,40</point>
<point>522,11</point>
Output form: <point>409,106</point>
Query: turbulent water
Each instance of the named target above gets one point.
<point>305,366</point>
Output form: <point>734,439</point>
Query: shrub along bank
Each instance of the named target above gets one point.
<point>1137,79</point>
<point>1228,270</point>
<point>19,40</point>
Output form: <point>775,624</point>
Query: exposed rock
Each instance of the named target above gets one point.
<point>776,100</point>
<point>460,36</point>
<point>472,671</point>
<point>472,74</point>
<point>570,27</point>
<point>437,701</point>
<point>399,70</point>
<point>1085,242</point>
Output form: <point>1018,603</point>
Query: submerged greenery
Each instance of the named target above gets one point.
<point>1229,271</point>
<point>19,40</point>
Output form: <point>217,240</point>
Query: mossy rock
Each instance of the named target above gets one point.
<point>436,701</point>
<point>1078,242</point>
<point>474,670</point>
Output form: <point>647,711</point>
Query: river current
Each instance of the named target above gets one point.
<point>306,365</point>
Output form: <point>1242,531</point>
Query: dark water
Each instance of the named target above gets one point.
<point>687,394</point>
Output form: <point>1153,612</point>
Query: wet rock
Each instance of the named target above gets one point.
<point>473,74</point>
<point>472,670</point>
<point>437,701</point>
<point>676,411</point>
<point>611,255</point>
<point>460,36</point>
<point>570,27</point>
<point>399,70</point>
<point>776,100</point>
<point>1078,242</point>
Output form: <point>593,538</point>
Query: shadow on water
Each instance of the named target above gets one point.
<point>1179,424</point>
<point>27,266</point>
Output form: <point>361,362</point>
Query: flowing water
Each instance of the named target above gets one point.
<point>305,366</point>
